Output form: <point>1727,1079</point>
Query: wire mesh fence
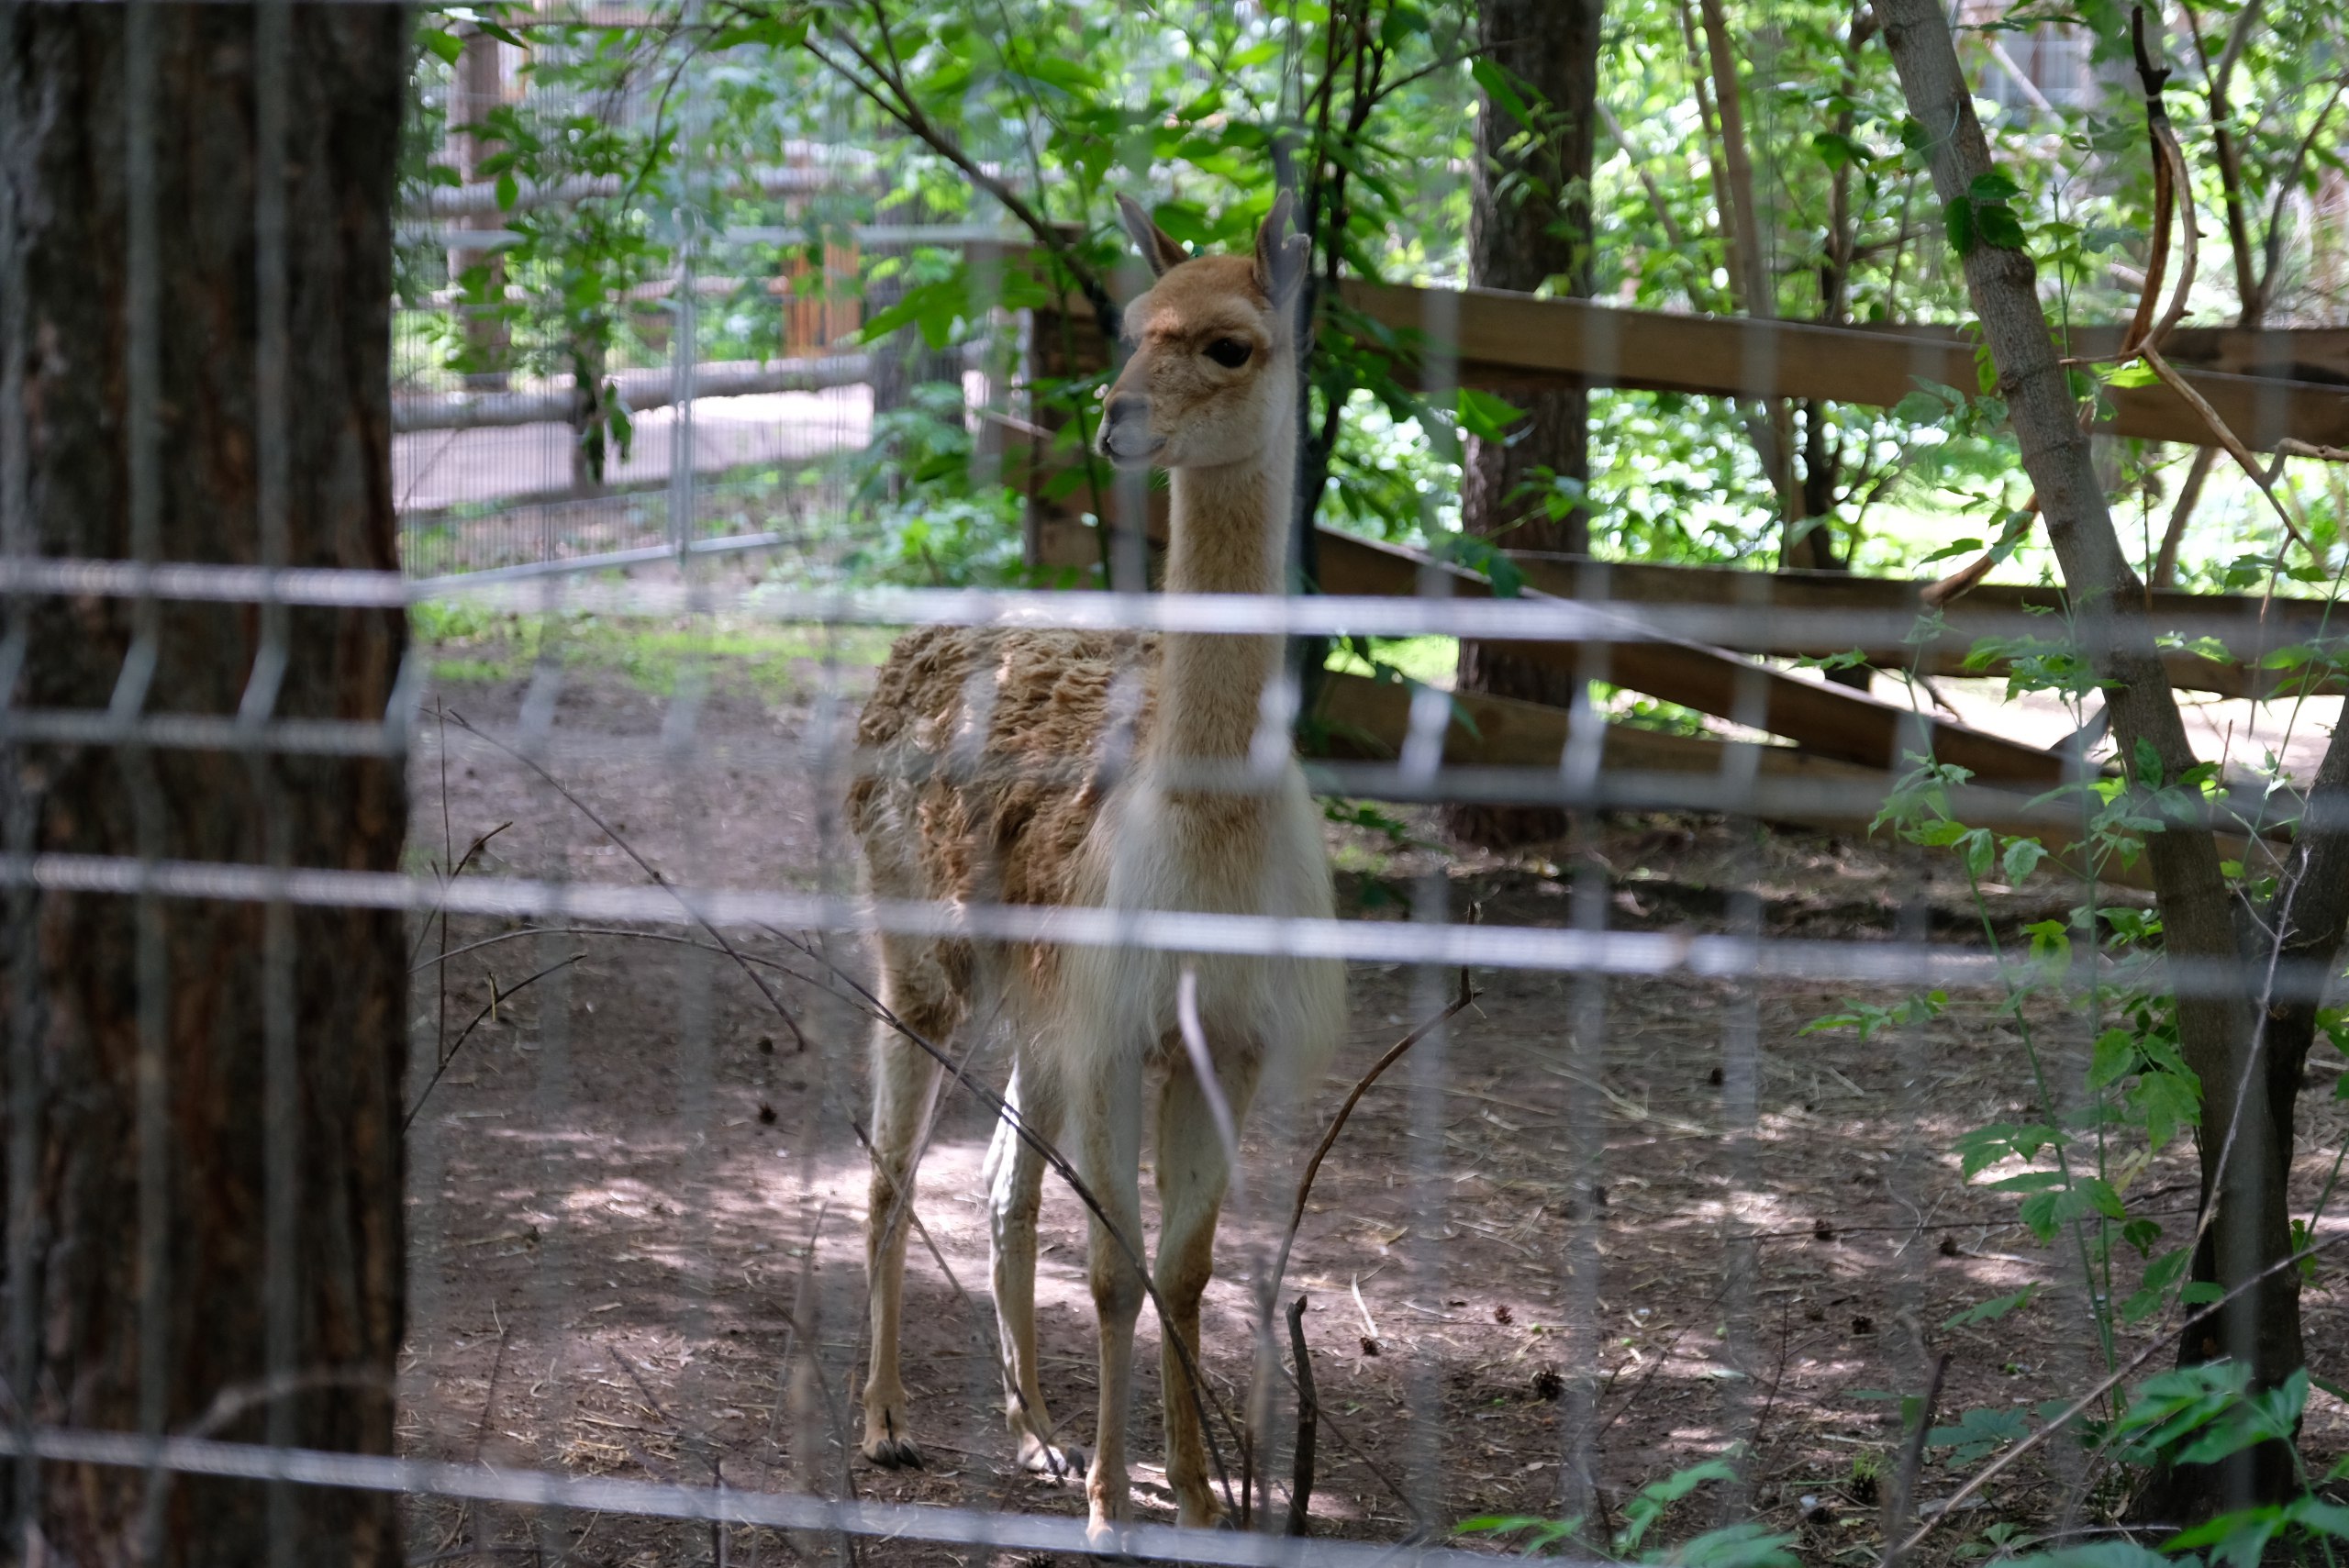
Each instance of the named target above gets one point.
<point>663,906</point>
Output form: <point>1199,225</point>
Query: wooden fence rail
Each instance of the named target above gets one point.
<point>1515,340</point>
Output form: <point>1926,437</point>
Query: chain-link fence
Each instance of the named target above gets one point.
<point>662,904</point>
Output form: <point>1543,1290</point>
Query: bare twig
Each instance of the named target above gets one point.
<point>646,867</point>
<point>1933,596</point>
<point>2229,441</point>
<point>1912,1459</point>
<point>897,102</point>
<point>1308,1423</point>
<point>455,872</point>
<point>2072,1412</point>
<point>1337,1123</point>
<point>487,1009</point>
<point>2189,494</point>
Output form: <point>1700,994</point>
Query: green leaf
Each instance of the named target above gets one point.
<point>2136,373</point>
<point>1649,1506</point>
<point>2028,1181</point>
<point>2023,858</point>
<point>2160,1274</point>
<point>2099,1195</point>
<point>1981,850</point>
<point>1486,417</point>
<point>2113,1058</point>
<point>2102,1554</point>
<point>1998,226</point>
<point>1978,1434</point>
<point>2240,1537</point>
<point>1840,151</point>
<point>1747,1545</point>
<point>2148,764</point>
<point>508,191</point>
<point>1994,186</point>
<point>1502,92</point>
<point>444,43</point>
<point>1958,220</point>
<point>2315,1514</point>
<point>1991,1311</point>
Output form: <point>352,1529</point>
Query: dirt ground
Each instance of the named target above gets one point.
<point>636,1205</point>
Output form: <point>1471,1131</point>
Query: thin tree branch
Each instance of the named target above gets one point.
<point>488,1009</point>
<point>1308,1423</point>
<point>2189,494</point>
<point>1912,1458</point>
<point>2073,1411</point>
<point>898,104</point>
<point>1337,1123</point>
<point>643,865</point>
<point>2272,248</point>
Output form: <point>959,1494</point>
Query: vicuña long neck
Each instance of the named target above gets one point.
<point>1228,535</point>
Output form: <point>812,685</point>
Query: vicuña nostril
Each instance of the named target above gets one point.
<point>1126,407</point>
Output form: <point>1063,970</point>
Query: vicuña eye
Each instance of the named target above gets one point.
<point>1230,352</point>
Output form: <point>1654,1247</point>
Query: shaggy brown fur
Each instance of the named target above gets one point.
<point>1004,825</point>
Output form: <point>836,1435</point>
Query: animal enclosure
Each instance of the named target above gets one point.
<point>651,597</point>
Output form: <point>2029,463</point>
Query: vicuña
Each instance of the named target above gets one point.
<point>1067,769</point>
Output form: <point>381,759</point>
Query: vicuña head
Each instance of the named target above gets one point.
<point>1212,380</point>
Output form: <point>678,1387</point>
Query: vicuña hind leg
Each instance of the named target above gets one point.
<point>1015,1175</point>
<point>1191,1175</point>
<point>905,1091</point>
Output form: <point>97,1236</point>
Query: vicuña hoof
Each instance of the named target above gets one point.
<point>894,1453</point>
<point>1066,1462</point>
<point>1102,1539</point>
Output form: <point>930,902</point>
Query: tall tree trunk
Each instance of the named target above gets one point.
<point>203,1165</point>
<point>2249,1067</point>
<point>1530,222</point>
<point>479,88</point>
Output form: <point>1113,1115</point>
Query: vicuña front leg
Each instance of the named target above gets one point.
<point>1192,1174</point>
<point>904,1089</point>
<point>1015,1175</point>
<point>1106,1117</point>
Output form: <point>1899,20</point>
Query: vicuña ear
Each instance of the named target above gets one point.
<point>1280,254</point>
<point>1160,249</point>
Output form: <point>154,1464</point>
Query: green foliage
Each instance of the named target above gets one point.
<point>1991,1311</point>
<point>925,516</point>
<point>1744,1545</point>
<point>2199,1415</point>
<point>1365,107</point>
<point>1362,814</point>
<point>1978,1434</point>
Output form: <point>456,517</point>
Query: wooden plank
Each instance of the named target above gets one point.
<point>2317,354</point>
<point>1516,341</point>
<point>1368,720</point>
<point>2246,624</point>
<point>1063,541</point>
<point>1830,720</point>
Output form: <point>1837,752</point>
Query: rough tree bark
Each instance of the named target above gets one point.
<point>1530,222</point>
<point>2249,1065</point>
<point>202,1193</point>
